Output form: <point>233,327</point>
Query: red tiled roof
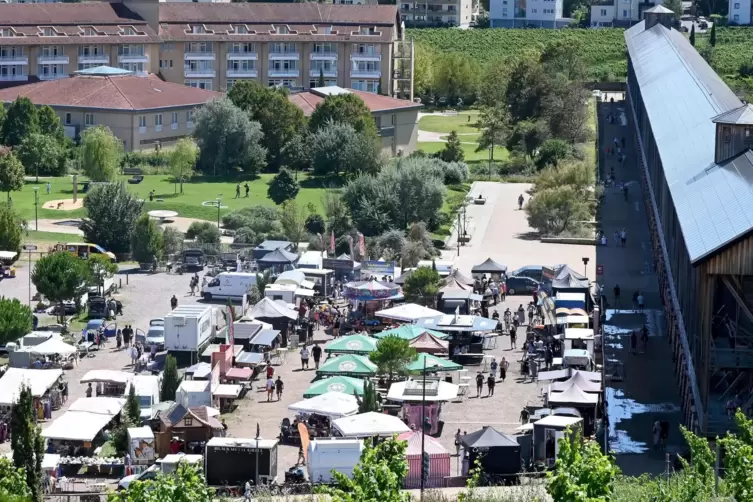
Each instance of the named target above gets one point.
<point>114,93</point>
<point>49,14</point>
<point>308,100</point>
<point>295,13</point>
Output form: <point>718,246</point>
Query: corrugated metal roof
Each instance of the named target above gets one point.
<point>682,96</point>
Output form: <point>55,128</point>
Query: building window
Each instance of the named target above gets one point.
<point>6,32</point>
<point>134,67</point>
<point>240,29</point>
<point>726,136</point>
<point>197,29</point>
<point>282,30</point>
<point>604,12</point>
<point>67,119</point>
<point>327,83</point>
<point>142,120</point>
<point>189,118</point>
<point>283,82</point>
<point>188,421</point>
<point>324,30</point>
<point>283,64</point>
<point>365,85</point>
<point>49,32</point>
<point>174,120</point>
<point>737,6</point>
<point>736,17</point>
<point>88,119</point>
<point>158,119</point>
<point>129,31</point>
<point>749,134</point>
<point>199,84</point>
<point>367,30</point>
<point>504,12</point>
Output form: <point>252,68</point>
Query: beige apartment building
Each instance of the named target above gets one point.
<point>211,46</point>
<point>461,13</point>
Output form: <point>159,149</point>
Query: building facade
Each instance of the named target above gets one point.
<point>211,46</point>
<point>527,13</point>
<point>694,138</point>
<point>461,13</point>
<point>740,12</point>
<point>619,13</point>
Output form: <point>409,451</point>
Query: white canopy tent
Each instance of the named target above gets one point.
<point>572,395</point>
<point>369,424</point>
<point>445,392</point>
<point>39,381</point>
<point>107,376</point>
<point>84,419</point>
<point>51,347</point>
<point>408,312</point>
<point>330,404</point>
<point>295,277</point>
<point>579,380</point>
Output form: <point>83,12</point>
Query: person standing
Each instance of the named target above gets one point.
<point>479,384</point>
<point>270,388</point>
<point>616,291</point>
<point>520,202</point>
<point>503,366</point>
<point>644,337</point>
<point>457,443</point>
<point>640,301</point>
<point>490,385</point>
<point>616,238</point>
<point>656,433</point>
<point>513,336</point>
<point>635,300</point>
<point>623,237</point>
<point>304,358</point>
<point>316,351</point>
<point>279,385</point>
<point>173,303</point>
<point>238,191</point>
<point>493,367</point>
<point>633,342</point>
<point>245,185</point>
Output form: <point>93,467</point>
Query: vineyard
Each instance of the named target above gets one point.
<point>603,49</point>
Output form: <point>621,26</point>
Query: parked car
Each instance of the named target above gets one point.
<point>193,259</point>
<point>149,474</point>
<point>521,285</point>
<point>156,334</point>
<point>538,273</point>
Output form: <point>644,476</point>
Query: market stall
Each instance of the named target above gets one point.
<point>369,425</point>
<point>439,461</point>
<point>370,296</point>
<point>352,344</point>
<point>47,389</point>
<point>498,453</point>
<point>348,365</point>
<point>224,396</point>
<point>278,314</point>
<point>430,344</point>
<point>422,397</point>
<point>491,267</point>
<point>410,331</point>
<point>330,404</point>
<point>547,433</point>
<point>108,382</point>
<point>278,260</point>
<point>49,354</point>
<point>408,312</point>
<point>186,430</point>
<point>344,384</point>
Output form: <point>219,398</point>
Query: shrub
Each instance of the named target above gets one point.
<point>204,232</point>
<point>315,224</point>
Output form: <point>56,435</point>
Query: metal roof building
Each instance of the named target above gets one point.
<point>693,140</point>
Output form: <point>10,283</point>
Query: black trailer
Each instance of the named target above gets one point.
<point>234,461</point>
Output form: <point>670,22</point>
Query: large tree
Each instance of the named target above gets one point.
<point>15,320</point>
<point>392,355</point>
<point>343,109</point>
<point>59,277</point>
<point>453,149</point>
<point>554,211</point>
<point>183,160</point>
<point>339,149</point>
<point>170,380</point>
<point>11,234</point>
<point>11,172</point>
<point>283,187</point>
<point>281,121</point>
<point>293,219</point>
<point>26,442</point>
<point>49,123</point>
<point>493,124</point>
<point>21,121</point>
<point>422,286</point>
<point>527,136</point>
<point>111,214</point>
<point>456,77</point>
<point>530,86</point>
<point>229,141</point>
<point>146,240</point>
<point>41,154</point>
<point>100,153</point>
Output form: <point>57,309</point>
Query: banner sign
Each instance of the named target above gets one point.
<point>373,267</point>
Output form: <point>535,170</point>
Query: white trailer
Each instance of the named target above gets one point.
<point>332,454</point>
<point>188,330</point>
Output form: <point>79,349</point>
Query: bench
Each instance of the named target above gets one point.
<point>136,179</point>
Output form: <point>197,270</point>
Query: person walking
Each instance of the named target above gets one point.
<point>238,191</point>
<point>503,366</point>
<point>625,191</point>
<point>493,368</point>
<point>617,296</point>
<point>316,351</point>
<point>640,301</point>
<point>245,186</point>
<point>279,385</point>
<point>633,342</point>
<point>616,238</point>
<point>635,300</point>
<point>479,384</point>
<point>192,286</point>
<point>520,202</point>
<point>513,336</point>
<point>270,388</point>
<point>623,237</point>
<point>173,302</point>
<point>490,385</point>
<point>304,358</point>
<point>644,337</point>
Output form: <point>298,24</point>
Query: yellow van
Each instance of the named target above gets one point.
<point>84,250</point>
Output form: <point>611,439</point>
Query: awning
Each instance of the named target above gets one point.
<point>229,391</point>
<point>352,344</point>
<point>265,337</point>
<point>572,395</point>
<point>444,391</point>
<point>8,255</point>
<point>409,332</point>
<point>346,385</point>
<point>239,374</point>
<point>51,347</point>
<point>250,358</point>
<point>432,364</point>
<point>76,426</point>
<point>460,323</point>
<point>269,309</point>
<point>348,365</point>
<point>329,404</point>
<point>107,376</point>
<point>369,424</point>
<point>489,267</point>
<point>39,381</point>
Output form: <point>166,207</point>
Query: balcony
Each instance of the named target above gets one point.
<point>365,74</point>
<point>327,73</point>
<point>366,56</point>
<point>14,78</point>
<point>199,56</point>
<point>284,55</point>
<point>323,56</point>
<point>199,73</point>
<point>103,59</point>
<point>14,60</point>
<point>242,73</point>
<point>242,55</point>
<point>54,76</point>
<point>283,73</point>
<point>132,58</point>
<point>42,59</point>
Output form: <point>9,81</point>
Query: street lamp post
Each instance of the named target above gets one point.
<point>219,204</point>
<point>36,209</point>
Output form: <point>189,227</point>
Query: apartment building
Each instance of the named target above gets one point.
<point>527,14</point>
<point>620,13</point>
<point>211,46</point>
<point>740,12</point>
<point>439,12</point>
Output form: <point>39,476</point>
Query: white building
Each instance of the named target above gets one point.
<point>527,13</point>
<point>608,13</point>
<point>740,12</point>
<point>459,13</point>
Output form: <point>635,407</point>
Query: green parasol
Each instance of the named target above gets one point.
<point>346,385</point>
<point>348,365</point>
<point>409,332</point>
<point>352,344</point>
<point>433,363</point>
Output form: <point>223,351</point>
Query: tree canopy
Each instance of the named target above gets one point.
<point>21,120</point>
<point>11,234</point>
<point>26,442</point>
<point>111,214</point>
<point>229,141</point>
<point>49,123</point>
<point>100,153</point>
<point>343,109</point>
<point>60,276</point>
<point>41,154</point>
<point>11,172</point>
<point>392,355</point>
<point>339,149</point>
<point>422,286</point>
<point>183,160</point>
<point>283,187</point>
<point>147,241</point>
<point>15,320</point>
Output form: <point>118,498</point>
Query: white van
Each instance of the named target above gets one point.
<point>147,392</point>
<point>231,285</point>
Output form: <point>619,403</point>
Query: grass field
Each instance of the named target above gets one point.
<point>187,204</point>
<point>464,122</point>
<point>467,130</point>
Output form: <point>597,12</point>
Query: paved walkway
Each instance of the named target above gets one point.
<point>649,391</point>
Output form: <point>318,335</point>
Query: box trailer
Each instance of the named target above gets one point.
<point>233,461</point>
<point>332,454</point>
<point>188,330</point>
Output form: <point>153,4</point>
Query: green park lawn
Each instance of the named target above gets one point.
<point>447,124</point>
<point>469,150</point>
<point>188,204</point>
